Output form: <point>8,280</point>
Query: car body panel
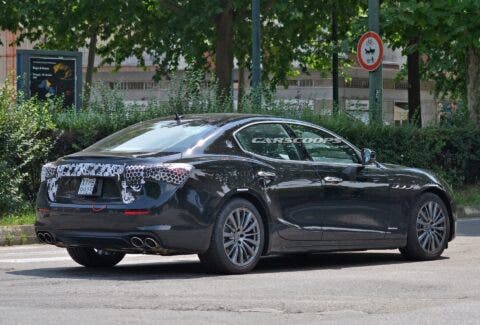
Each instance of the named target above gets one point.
<point>369,209</point>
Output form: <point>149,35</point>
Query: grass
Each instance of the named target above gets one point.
<point>26,217</point>
<point>467,196</point>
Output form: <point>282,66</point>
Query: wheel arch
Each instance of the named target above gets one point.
<point>260,205</point>
<point>448,203</point>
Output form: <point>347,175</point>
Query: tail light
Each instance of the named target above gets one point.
<point>172,173</point>
<point>49,170</point>
<point>132,177</point>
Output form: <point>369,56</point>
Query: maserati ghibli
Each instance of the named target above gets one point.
<point>233,188</point>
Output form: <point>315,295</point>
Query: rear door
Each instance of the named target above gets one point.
<point>291,184</point>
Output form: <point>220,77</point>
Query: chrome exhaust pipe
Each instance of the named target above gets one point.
<point>48,238</point>
<point>41,237</point>
<point>136,242</point>
<point>151,243</point>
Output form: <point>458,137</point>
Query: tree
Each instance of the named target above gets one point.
<point>449,35</point>
<point>401,31</point>
<point>210,34</point>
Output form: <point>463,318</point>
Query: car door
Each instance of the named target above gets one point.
<point>291,186</point>
<point>354,198</point>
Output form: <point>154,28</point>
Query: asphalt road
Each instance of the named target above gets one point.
<point>40,284</point>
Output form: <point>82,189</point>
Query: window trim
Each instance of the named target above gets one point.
<point>285,123</point>
<point>285,128</point>
<point>357,152</point>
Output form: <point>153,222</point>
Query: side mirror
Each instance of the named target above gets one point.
<point>368,156</point>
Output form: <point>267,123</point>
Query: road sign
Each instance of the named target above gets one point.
<point>370,51</point>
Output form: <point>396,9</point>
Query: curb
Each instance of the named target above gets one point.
<point>17,235</point>
<point>468,211</point>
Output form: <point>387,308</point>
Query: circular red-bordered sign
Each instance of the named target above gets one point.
<point>370,51</point>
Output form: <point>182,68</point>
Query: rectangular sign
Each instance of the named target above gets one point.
<point>51,74</point>
<point>357,104</point>
<point>53,77</point>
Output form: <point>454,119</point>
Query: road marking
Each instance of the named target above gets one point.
<point>34,260</point>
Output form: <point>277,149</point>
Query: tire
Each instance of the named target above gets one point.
<point>428,229</point>
<point>91,257</point>
<point>235,251</point>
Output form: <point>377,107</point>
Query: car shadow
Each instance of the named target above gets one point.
<point>193,269</point>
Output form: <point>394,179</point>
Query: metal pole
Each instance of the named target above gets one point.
<point>335,59</point>
<point>375,77</point>
<point>256,69</point>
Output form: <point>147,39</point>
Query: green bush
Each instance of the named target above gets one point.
<point>26,137</point>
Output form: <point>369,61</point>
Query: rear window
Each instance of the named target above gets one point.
<point>155,136</point>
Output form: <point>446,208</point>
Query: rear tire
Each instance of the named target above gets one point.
<point>237,240</point>
<point>91,257</point>
<point>428,229</point>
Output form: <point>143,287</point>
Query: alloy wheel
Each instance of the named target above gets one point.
<point>241,236</point>
<point>431,227</point>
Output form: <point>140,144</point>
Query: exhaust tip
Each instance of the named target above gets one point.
<point>151,243</point>
<point>136,242</point>
<point>41,237</point>
<point>48,238</point>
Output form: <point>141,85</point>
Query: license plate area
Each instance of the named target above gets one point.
<point>90,187</point>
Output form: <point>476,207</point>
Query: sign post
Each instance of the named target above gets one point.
<point>375,75</point>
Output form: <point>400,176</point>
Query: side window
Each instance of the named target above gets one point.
<point>323,147</point>
<point>269,140</point>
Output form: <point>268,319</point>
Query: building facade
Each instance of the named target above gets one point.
<point>136,84</point>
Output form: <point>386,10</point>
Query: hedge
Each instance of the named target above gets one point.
<point>33,132</point>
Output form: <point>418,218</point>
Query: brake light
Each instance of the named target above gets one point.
<point>136,212</point>
<point>173,173</point>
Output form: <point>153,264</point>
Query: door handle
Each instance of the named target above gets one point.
<point>332,180</point>
<point>264,174</point>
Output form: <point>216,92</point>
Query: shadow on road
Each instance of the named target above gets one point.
<point>192,269</point>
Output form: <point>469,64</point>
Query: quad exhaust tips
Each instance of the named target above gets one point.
<point>45,237</point>
<point>151,243</point>
<point>148,242</point>
<point>136,242</point>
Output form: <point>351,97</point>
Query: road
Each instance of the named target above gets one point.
<point>40,284</point>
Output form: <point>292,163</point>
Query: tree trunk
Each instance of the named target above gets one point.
<point>92,49</point>
<point>335,60</point>
<point>414,105</point>
<point>473,84</point>
<point>224,49</point>
<point>241,85</point>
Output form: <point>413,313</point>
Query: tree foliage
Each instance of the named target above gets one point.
<point>449,34</point>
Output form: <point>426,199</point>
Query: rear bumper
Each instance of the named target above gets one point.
<point>169,242</point>
<point>176,231</point>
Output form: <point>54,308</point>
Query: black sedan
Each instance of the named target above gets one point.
<point>231,188</point>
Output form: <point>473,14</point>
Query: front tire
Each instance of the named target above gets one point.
<point>237,240</point>
<point>428,230</point>
<point>91,257</point>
